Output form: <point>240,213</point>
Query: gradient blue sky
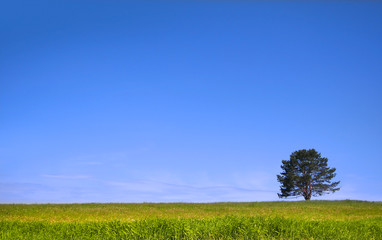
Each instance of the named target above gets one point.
<point>162,101</point>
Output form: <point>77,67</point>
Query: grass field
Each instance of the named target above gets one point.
<point>253,220</point>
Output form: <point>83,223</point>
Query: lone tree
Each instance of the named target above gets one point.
<point>306,174</point>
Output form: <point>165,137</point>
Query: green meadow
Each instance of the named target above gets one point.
<point>248,220</point>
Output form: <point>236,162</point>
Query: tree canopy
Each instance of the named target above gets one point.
<point>306,174</point>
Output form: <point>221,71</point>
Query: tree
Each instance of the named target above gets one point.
<point>306,174</point>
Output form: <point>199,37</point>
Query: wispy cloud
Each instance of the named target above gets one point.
<point>90,163</point>
<point>210,192</point>
<point>156,187</point>
<point>66,176</point>
<point>21,192</point>
<point>137,186</point>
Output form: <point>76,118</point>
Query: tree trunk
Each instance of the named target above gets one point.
<point>309,191</point>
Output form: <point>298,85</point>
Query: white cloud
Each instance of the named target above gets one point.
<point>259,180</point>
<point>66,176</point>
<point>137,186</point>
<point>163,189</point>
<point>160,187</point>
<point>90,163</point>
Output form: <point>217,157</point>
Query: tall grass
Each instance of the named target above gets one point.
<point>214,228</point>
<point>265,220</point>
<point>305,210</point>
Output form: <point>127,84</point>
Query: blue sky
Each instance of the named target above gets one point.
<point>162,101</point>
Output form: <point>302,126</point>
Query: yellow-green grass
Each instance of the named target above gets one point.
<point>252,220</point>
<point>126,212</point>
